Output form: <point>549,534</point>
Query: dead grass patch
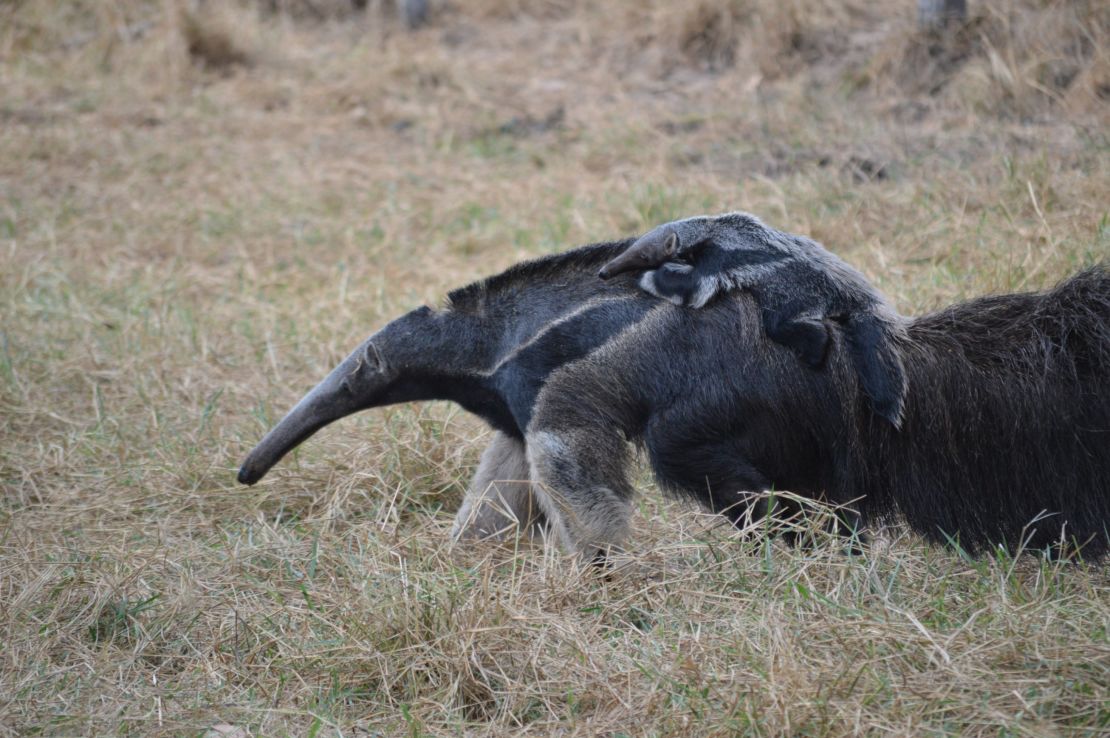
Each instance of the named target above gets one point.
<point>512,9</point>
<point>709,32</point>
<point>211,41</point>
<point>1017,59</point>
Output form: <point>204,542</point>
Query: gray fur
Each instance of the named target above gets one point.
<point>804,289</point>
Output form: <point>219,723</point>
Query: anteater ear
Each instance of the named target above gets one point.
<point>372,357</point>
<point>670,244</point>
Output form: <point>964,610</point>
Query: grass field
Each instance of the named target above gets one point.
<point>202,209</point>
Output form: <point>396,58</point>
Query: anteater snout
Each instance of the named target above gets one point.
<point>246,475</point>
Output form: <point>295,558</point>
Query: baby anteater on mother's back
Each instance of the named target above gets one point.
<point>803,289</point>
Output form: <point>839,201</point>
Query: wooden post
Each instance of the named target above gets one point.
<point>933,14</point>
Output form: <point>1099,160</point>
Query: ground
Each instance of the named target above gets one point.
<point>204,206</point>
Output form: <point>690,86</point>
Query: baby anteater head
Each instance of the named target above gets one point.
<point>649,251</point>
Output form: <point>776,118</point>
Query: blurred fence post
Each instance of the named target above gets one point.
<point>413,12</point>
<point>939,13</point>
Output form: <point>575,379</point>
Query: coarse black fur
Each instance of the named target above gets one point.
<point>800,286</point>
<point>1006,434</point>
<point>1010,405</point>
<point>1007,420</point>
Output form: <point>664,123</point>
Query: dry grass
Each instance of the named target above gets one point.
<point>183,250</point>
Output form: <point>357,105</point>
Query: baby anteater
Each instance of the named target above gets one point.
<point>802,288</point>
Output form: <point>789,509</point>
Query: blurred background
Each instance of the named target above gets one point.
<point>204,205</point>
<point>456,138</point>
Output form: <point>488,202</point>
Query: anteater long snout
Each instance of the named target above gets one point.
<point>650,250</point>
<point>629,261</point>
<point>350,387</point>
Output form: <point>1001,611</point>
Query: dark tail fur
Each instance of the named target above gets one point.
<point>1006,437</point>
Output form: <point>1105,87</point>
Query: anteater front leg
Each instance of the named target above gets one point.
<point>579,459</point>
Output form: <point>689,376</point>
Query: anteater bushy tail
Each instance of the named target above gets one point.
<point>1006,439</point>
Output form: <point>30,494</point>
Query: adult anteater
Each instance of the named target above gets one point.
<point>1007,415</point>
